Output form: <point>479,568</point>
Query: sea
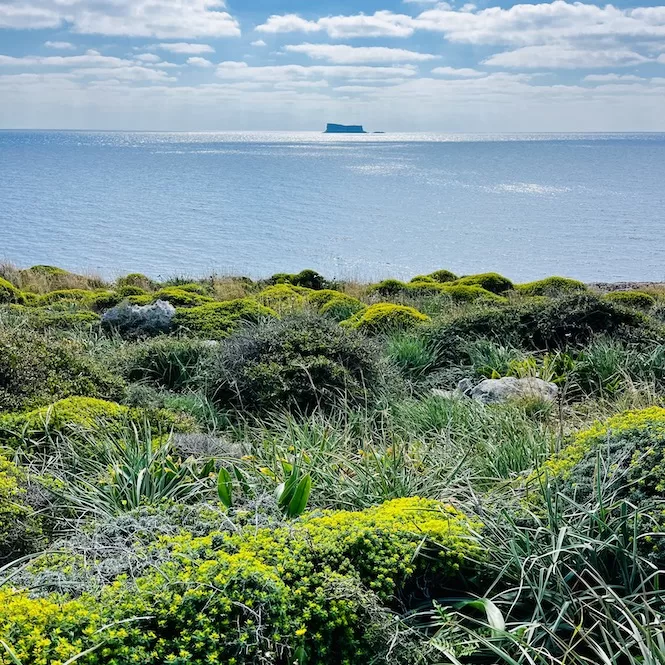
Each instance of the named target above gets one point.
<point>588,206</point>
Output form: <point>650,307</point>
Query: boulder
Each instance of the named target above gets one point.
<point>492,391</point>
<point>139,321</point>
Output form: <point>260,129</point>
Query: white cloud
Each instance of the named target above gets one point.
<point>661,59</point>
<point>346,55</point>
<point>130,18</point>
<point>62,46</point>
<point>91,58</point>
<point>379,24</point>
<point>259,43</point>
<point>463,72</point>
<point>199,62</point>
<point>129,73</point>
<point>183,48</point>
<point>613,78</point>
<point>241,71</point>
<point>526,24</point>
<point>148,57</point>
<point>552,56</point>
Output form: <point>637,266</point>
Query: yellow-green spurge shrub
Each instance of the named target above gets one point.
<point>386,316</point>
<point>299,593</point>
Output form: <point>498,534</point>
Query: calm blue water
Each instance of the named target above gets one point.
<point>587,206</point>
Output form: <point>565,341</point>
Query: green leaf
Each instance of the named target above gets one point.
<point>298,503</point>
<point>494,616</point>
<point>224,487</point>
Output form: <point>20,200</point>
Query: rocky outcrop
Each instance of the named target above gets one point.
<point>509,388</point>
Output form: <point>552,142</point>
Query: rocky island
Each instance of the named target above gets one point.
<point>344,129</point>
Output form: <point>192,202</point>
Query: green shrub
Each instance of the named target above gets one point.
<point>322,589</point>
<point>461,293</point>
<point>634,299</point>
<point>218,319</point>
<point>129,290</point>
<point>48,270</point>
<point>383,317</point>
<point>388,288</point>
<point>9,293</point>
<point>320,298</point>
<point>283,297</point>
<point>443,276</point>
<point>136,279</point>
<point>551,287</point>
<point>36,369</point>
<point>20,526</point>
<point>299,363</point>
<point>42,319</point>
<point>569,322</point>
<point>78,416</point>
<point>422,278</point>
<point>342,308</point>
<point>490,281</point>
<point>71,295</point>
<point>180,298</point>
<point>309,279</point>
<point>104,300</point>
<point>140,300</point>
<point>195,287</point>
<point>165,362</point>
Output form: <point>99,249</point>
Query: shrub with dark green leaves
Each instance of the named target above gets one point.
<point>9,293</point>
<point>70,295</point>
<point>490,281</point>
<point>36,369</point>
<point>388,288</point>
<point>309,279</point>
<point>551,287</point>
<point>297,363</point>
<point>634,299</point>
<point>137,279</point>
<point>164,362</point>
<point>217,320</point>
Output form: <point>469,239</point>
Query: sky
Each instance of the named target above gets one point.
<point>391,65</point>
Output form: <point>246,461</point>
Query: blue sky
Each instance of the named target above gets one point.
<point>412,65</point>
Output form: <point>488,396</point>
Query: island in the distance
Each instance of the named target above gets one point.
<point>344,129</point>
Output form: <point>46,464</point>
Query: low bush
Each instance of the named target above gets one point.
<point>136,279</point>
<point>342,308</point>
<point>103,300</point>
<point>283,298</point>
<point>70,295</point>
<point>36,369</point>
<point>388,288</point>
<point>443,276</point>
<point>490,281</point>
<point>42,319</point>
<point>383,317</point>
<point>131,290</point>
<point>164,362</point>
<point>309,279</point>
<point>9,293</point>
<point>179,297</point>
<point>551,287</point>
<point>77,417</point>
<point>322,588</point>
<point>461,293</point>
<point>298,363</point>
<point>217,320</point>
<point>634,299</point>
<point>21,530</point>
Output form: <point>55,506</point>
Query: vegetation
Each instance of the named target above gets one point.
<point>286,471</point>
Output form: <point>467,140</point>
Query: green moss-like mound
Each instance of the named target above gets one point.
<point>490,281</point>
<point>422,278</point>
<point>71,295</point>
<point>20,526</point>
<point>464,293</point>
<point>44,319</point>
<point>388,288</point>
<point>48,270</point>
<point>181,298</point>
<point>634,299</point>
<point>386,316</point>
<point>75,416</point>
<point>309,279</point>
<point>100,301</point>
<point>341,308</point>
<point>129,290</point>
<point>322,587</point>
<point>10,294</point>
<point>443,276</point>
<point>283,297</point>
<point>551,287</point>
<point>136,279</point>
<point>216,320</point>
